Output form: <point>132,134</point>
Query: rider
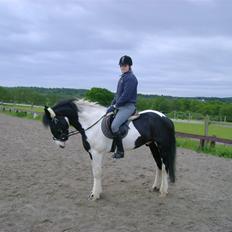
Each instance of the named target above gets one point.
<point>124,102</point>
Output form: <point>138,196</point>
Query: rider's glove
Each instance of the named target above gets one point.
<point>111,109</point>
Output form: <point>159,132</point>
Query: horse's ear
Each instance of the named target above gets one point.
<point>47,113</point>
<point>45,120</point>
<point>48,116</point>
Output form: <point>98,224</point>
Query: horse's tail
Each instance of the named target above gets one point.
<point>171,153</point>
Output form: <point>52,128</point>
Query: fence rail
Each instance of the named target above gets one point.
<point>16,110</point>
<point>204,139</point>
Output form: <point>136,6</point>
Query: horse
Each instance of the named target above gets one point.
<point>152,128</point>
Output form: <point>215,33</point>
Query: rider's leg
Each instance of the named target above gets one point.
<point>119,149</point>
<point>122,115</point>
<point>124,112</point>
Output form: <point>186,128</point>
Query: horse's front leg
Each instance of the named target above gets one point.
<point>97,175</point>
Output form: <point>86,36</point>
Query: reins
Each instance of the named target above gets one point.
<point>71,133</point>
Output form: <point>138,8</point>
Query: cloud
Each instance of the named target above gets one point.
<point>179,47</point>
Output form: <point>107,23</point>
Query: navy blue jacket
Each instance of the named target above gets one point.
<point>126,90</point>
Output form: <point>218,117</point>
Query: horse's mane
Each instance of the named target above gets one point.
<point>64,103</point>
<point>86,103</point>
<point>77,104</point>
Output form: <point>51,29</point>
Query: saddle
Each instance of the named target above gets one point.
<point>108,119</point>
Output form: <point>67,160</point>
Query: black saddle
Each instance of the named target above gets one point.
<point>108,119</point>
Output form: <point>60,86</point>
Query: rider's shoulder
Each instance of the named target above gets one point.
<point>128,75</point>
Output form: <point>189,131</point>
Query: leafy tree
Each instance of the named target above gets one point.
<point>102,96</point>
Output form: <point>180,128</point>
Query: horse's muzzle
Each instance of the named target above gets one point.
<point>61,144</point>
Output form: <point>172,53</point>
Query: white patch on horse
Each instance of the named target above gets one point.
<point>60,143</point>
<point>153,111</point>
<point>164,182</point>
<point>88,114</point>
<point>129,140</point>
<point>97,175</point>
<point>157,182</point>
<point>66,118</point>
<point>52,113</point>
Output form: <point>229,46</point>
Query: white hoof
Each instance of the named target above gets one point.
<point>94,196</point>
<point>163,194</point>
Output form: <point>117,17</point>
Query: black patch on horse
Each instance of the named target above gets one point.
<point>154,128</point>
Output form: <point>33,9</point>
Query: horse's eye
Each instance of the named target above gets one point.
<point>55,120</point>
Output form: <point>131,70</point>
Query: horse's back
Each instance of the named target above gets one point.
<point>153,124</point>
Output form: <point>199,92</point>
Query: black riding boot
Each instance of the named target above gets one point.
<point>119,150</point>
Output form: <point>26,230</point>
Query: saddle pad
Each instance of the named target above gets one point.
<point>106,127</point>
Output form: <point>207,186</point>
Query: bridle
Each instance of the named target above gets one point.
<point>71,133</point>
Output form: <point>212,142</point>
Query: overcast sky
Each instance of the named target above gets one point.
<point>179,47</point>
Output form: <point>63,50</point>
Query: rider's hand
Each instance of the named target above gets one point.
<point>111,109</point>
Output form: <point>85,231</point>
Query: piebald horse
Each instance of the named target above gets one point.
<point>152,128</point>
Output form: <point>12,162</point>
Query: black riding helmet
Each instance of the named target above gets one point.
<point>125,60</point>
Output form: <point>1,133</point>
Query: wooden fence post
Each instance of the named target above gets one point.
<point>206,131</point>
<point>206,125</point>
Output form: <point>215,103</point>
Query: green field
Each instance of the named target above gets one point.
<point>220,150</point>
<point>219,131</point>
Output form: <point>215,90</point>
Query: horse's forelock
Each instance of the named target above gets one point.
<point>45,120</point>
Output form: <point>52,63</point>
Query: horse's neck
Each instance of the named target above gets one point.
<point>90,115</point>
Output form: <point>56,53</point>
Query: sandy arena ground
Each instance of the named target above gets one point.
<point>45,189</point>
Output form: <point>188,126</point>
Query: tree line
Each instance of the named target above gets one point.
<point>190,108</point>
<point>183,108</point>
<point>38,96</point>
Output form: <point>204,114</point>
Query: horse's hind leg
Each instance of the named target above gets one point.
<point>161,178</point>
<point>157,182</point>
<point>156,155</point>
<point>164,182</point>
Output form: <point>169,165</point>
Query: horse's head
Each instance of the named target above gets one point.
<point>59,126</point>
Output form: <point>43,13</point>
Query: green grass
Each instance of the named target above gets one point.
<point>219,150</point>
<point>217,130</point>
